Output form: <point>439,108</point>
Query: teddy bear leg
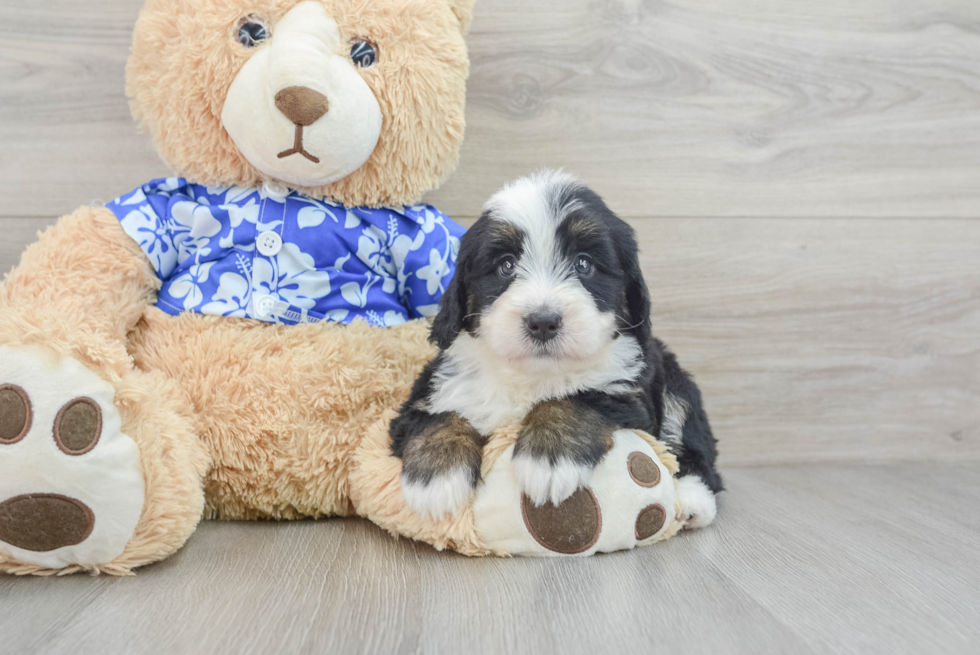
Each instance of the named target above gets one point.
<point>94,475</point>
<point>85,439</point>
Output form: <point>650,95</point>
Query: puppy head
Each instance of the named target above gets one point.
<point>547,273</point>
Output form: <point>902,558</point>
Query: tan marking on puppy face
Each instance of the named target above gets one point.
<point>186,55</point>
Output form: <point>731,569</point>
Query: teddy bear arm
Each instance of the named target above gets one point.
<point>82,287</point>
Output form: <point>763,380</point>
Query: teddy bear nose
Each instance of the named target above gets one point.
<point>302,105</point>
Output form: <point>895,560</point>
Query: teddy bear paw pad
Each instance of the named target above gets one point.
<point>569,528</point>
<point>71,483</point>
<point>629,501</point>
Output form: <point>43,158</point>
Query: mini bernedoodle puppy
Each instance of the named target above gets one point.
<point>547,322</point>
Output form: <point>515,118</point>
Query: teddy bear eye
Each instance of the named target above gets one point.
<point>252,31</point>
<point>363,53</point>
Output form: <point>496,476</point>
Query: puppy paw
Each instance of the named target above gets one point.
<point>698,506</point>
<point>440,468</point>
<point>542,481</point>
<point>559,447</point>
<point>443,495</point>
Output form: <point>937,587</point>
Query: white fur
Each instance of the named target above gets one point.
<point>675,415</point>
<point>491,393</point>
<point>494,379</point>
<point>545,280</point>
<point>543,482</point>
<point>443,496</point>
<point>303,51</point>
<point>697,501</point>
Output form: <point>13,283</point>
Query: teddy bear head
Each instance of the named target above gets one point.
<point>359,101</point>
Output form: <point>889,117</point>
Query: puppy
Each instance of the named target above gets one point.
<point>547,321</point>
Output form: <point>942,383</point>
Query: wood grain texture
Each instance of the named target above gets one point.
<point>813,340</point>
<point>669,108</point>
<point>836,560</point>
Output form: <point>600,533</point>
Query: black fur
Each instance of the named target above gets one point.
<point>617,285</point>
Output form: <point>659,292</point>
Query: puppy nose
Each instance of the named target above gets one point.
<point>543,326</point>
<point>302,105</point>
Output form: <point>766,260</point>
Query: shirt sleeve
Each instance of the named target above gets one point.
<point>430,262</point>
<point>143,215</point>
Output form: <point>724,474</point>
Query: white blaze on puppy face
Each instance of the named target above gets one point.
<point>305,51</point>
<point>545,280</point>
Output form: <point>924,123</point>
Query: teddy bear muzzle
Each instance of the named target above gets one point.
<point>320,102</point>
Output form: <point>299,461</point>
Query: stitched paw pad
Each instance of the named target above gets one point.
<point>629,500</point>
<point>71,483</point>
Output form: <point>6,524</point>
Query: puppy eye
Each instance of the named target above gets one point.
<point>507,267</point>
<point>584,266</point>
<point>252,31</point>
<point>363,54</point>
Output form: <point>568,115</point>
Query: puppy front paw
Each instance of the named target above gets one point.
<point>697,503</point>
<point>561,443</point>
<point>441,466</point>
<point>443,494</point>
<point>541,481</point>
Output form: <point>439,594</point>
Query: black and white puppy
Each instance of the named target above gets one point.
<point>547,321</point>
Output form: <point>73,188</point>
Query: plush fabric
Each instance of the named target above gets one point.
<point>135,400</point>
<point>183,64</point>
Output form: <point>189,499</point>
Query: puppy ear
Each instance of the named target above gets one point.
<point>452,310</point>
<point>637,297</point>
<point>464,12</point>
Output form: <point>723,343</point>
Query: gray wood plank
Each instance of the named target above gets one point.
<point>819,559</point>
<point>687,108</point>
<point>15,235</point>
<point>813,340</point>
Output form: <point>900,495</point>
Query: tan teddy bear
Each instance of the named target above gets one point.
<point>231,343</point>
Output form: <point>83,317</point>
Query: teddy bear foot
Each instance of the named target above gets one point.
<point>71,483</point>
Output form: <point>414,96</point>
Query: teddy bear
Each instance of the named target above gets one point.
<point>232,342</point>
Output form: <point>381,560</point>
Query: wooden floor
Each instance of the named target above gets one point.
<point>816,559</point>
<point>804,178</point>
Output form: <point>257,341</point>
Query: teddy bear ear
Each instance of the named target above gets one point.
<point>464,12</point>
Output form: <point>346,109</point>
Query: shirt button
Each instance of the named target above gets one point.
<point>269,244</point>
<point>275,191</point>
<point>264,306</point>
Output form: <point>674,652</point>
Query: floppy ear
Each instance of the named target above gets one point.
<point>452,310</point>
<point>637,296</point>
<point>464,12</point>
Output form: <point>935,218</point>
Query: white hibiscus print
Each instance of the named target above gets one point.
<point>372,249</point>
<point>437,269</point>
<point>316,212</point>
<point>144,227</point>
<point>231,298</point>
<point>188,285</point>
<point>192,226</point>
<point>291,274</point>
<point>356,294</point>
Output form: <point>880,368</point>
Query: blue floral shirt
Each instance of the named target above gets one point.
<point>281,257</point>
